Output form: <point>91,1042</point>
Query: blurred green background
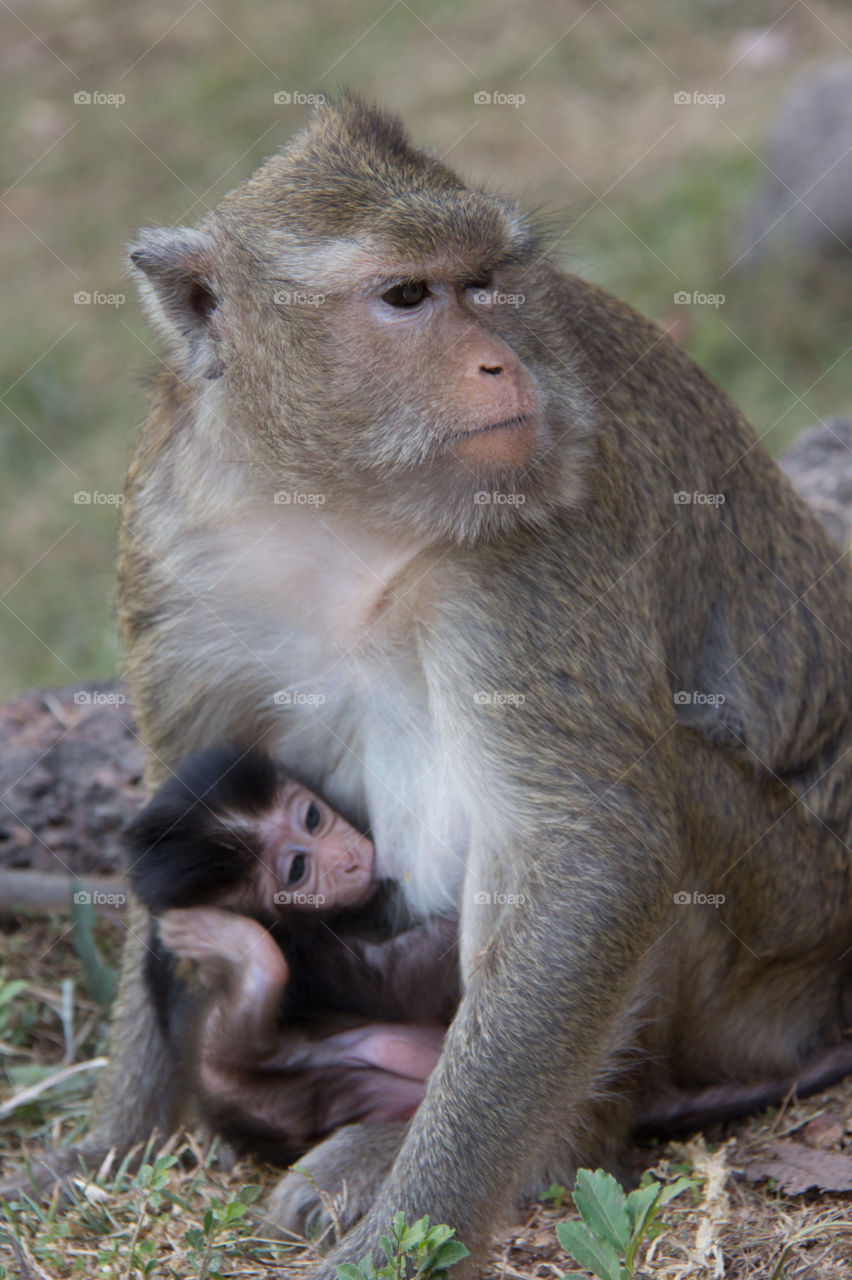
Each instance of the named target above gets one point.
<point>646,198</point>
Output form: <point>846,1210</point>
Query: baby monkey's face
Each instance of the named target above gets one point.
<point>318,862</point>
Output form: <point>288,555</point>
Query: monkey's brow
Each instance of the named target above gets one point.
<point>238,835</point>
<point>458,271</point>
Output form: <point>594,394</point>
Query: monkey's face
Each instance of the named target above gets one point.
<point>310,858</point>
<point>422,401</point>
<point>456,396</point>
<point>376,341</point>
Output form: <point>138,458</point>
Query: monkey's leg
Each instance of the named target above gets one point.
<point>407,1050</point>
<point>137,1092</point>
<point>675,1110</point>
<point>550,1002</point>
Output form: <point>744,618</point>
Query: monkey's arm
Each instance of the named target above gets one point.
<point>274,1089</point>
<point>552,982</point>
<point>241,1029</point>
<point>411,977</point>
<point>242,964</point>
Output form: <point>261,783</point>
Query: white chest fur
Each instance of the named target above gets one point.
<point>334,623</point>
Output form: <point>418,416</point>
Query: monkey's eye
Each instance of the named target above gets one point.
<point>409,294</point>
<point>298,867</point>
<point>313,818</point>
<point>484,281</point>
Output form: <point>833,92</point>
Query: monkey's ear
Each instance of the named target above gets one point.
<point>174,270</point>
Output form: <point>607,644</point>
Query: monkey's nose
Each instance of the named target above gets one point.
<point>491,368</point>
<point>353,859</point>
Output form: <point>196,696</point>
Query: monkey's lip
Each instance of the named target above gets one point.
<point>370,890</point>
<point>516,423</point>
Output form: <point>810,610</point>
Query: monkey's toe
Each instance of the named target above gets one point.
<point>335,1183</point>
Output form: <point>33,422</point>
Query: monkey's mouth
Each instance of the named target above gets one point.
<point>505,424</point>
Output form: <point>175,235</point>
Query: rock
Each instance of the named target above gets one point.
<point>819,463</point>
<point>806,200</point>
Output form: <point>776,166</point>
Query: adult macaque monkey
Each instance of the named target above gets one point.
<point>559,696</point>
<point>320,1009</point>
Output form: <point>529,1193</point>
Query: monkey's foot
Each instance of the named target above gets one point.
<point>363,1240</point>
<point>340,1181</point>
<point>44,1170</point>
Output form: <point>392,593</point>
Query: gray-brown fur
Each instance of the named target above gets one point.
<point>597,798</point>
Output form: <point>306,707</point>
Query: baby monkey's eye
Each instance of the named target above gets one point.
<point>483,281</point>
<point>409,294</point>
<point>297,869</point>
<point>312,818</point>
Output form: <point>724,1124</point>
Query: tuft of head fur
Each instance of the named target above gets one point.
<point>354,172</point>
<point>184,848</point>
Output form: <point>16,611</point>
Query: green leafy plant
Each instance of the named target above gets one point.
<point>614,1224</point>
<point>420,1251</point>
<point>149,1186</point>
<point>218,1222</point>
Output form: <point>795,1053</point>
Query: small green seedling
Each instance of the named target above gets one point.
<point>554,1194</point>
<point>614,1224</point>
<point>215,1233</point>
<point>420,1252</point>
<point>9,991</point>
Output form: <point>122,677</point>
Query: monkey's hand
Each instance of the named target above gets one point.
<point>227,947</point>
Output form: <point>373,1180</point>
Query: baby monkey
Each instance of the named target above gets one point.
<point>319,1011</point>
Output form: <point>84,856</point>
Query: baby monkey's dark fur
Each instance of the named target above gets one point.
<point>272,1085</point>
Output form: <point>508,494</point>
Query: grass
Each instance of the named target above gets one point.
<point>175,1216</point>
<point>187,1213</point>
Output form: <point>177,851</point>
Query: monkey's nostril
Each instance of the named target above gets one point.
<point>491,368</point>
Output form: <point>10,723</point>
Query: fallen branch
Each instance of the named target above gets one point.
<point>36,1090</point>
<point>46,891</point>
